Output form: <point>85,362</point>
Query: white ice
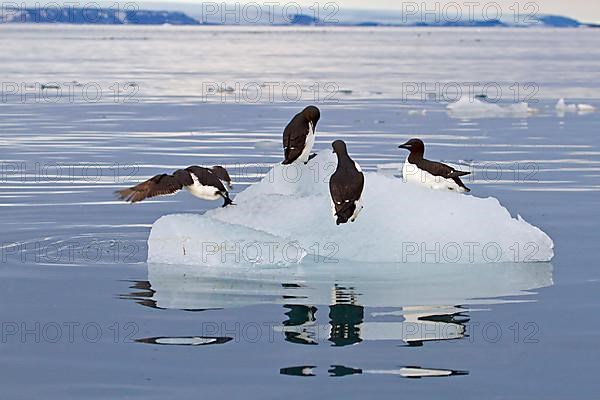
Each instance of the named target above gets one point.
<point>287,217</point>
<point>467,107</point>
<point>563,107</point>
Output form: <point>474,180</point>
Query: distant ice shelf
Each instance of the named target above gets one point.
<point>286,217</point>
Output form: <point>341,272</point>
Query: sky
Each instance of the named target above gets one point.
<point>583,10</point>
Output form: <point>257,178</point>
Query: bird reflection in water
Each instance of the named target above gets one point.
<point>411,372</point>
<point>413,325</point>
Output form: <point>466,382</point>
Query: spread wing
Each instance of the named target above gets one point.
<point>158,185</point>
<point>294,138</point>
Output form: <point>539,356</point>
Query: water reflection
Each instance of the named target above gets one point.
<point>185,340</point>
<point>345,305</point>
<point>346,325</point>
<point>412,372</point>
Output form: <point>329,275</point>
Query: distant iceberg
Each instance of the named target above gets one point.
<point>286,217</point>
<point>467,107</point>
<point>562,108</point>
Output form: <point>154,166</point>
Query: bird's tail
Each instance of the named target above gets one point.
<point>345,213</point>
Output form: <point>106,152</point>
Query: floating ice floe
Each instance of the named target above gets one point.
<point>287,217</point>
<point>562,108</point>
<point>467,107</point>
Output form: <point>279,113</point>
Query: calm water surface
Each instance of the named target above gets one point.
<point>82,314</point>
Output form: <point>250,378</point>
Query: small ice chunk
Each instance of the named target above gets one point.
<point>585,108</point>
<point>417,112</point>
<point>467,107</point>
<point>563,107</point>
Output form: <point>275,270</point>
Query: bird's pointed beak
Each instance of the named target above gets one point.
<point>404,146</point>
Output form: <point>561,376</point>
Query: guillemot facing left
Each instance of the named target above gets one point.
<point>299,136</point>
<point>346,186</point>
<point>432,174</point>
<point>201,182</point>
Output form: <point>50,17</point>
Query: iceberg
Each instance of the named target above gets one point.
<point>562,108</point>
<point>467,107</point>
<point>286,219</point>
<point>585,108</point>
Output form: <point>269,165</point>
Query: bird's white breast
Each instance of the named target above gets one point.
<point>413,174</point>
<point>203,191</point>
<point>308,143</point>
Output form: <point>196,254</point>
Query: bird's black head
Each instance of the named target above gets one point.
<point>312,114</point>
<point>222,174</point>
<point>415,146</point>
<point>339,147</point>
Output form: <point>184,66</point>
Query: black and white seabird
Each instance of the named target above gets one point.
<point>299,136</point>
<point>201,182</point>
<point>223,175</point>
<point>432,174</point>
<point>346,186</point>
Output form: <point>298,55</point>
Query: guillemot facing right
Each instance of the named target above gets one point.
<point>432,174</point>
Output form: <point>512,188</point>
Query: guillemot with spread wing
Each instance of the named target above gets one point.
<point>203,183</point>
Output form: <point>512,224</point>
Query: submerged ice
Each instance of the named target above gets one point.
<point>286,217</point>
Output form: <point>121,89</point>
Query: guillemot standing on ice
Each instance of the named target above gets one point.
<point>201,182</point>
<point>432,174</point>
<point>299,136</point>
<point>346,186</point>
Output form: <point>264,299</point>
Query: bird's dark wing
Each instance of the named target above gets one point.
<point>158,185</point>
<point>294,138</point>
<point>346,187</point>
<point>439,169</point>
<point>206,177</point>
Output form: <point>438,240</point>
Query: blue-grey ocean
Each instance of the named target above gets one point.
<point>89,110</point>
